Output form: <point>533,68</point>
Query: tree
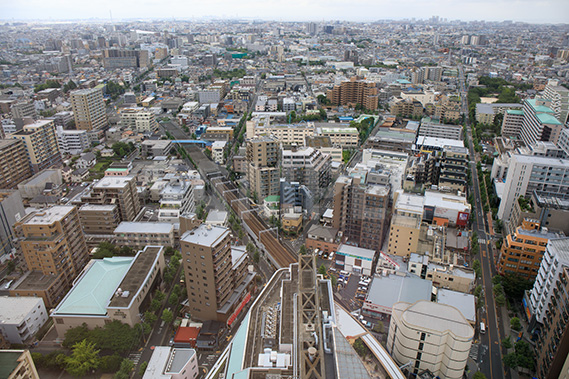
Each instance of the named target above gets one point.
<point>167,316</point>
<point>114,336</point>
<point>124,372</point>
<point>360,347</point>
<point>110,363</point>
<point>142,368</point>
<point>83,359</point>
<point>256,256</point>
<point>322,270</point>
<point>173,299</point>
<point>379,327</point>
<point>75,335</point>
<point>515,323</point>
<point>507,343</point>
<point>302,250</point>
<point>511,360</point>
<point>479,375</point>
<point>150,317</point>
<point>122,149</point>
<point>501,300</point>
<point>478,290</point>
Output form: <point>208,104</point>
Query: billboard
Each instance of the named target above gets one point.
<point>462,219</point>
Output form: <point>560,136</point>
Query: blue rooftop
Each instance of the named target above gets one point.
<point>93,290</point>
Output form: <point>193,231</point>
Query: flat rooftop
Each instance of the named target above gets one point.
<point>91,293</point>
<point>440,318</point>
<point>126,227</point>
<point>39,178</point>
<point>205,235</point>
<point>434,141</point>
<point>49,215</point>
<point>355,251</point>
<point>388,290</point>
<point>13,310</point>
<point>464,302</point>
<point>35,280</point>
<point>113,182</point>
<point>97,207</point>
<point>136,276</point>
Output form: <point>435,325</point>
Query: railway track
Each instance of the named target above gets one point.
<point>279,254</point>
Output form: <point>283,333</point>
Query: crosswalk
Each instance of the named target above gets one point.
<point>481,241</point>
<point>135,358</point>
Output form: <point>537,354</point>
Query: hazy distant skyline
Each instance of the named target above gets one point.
<point>545,11</point>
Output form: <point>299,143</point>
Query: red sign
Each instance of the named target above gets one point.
<point>462,218</point>
<point>239,309</point>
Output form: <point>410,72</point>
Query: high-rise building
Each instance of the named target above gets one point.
<point>522,251</point>
<point>18,364</point>
<point>14,162</point>
<point>215,289</point>
<point>11,211</point>
<point>539,123</point>
<point>23,110</point>
<point>140,120</point>
<point>41,144</point>
<point>559,97</point>
<point>262,171</point>
<point>118,190</point>
<point>89,109</point>
<point>176,198</point>
<point>512,123</point>
<point>354,92</point>
<point>552,345</point>
<point>361,211</point>
<point>52,241</point>
<point>430,336</point>
<point>119,58</point>
<point>528,173</point>
<point>307,166</point>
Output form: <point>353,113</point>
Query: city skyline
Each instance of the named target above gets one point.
<point>549,11</point>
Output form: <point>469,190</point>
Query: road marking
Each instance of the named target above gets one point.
<point>481,240</point>
<point>484,253</point>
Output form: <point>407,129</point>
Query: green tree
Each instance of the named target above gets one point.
<point>154,305</point>
<point>500,300</point>
<point>75,335</point>
<point>150,317</point>
<point>83,359</point>
<point>142,368</point>
<point>302,250</point>
<point>159,295</point>
<point>167,316</point>
<point>173,299</point>
<point>479,375</point>
<point>379,327</point>
<point>114,336</point>
<point>322,270</point>
<point>360,347</point>
<point>507,343</point>
<point>110,363</point>
<point>515,323</point>
<point>478,290</point>
<point>256,256</point>
<point>126,368</point>
<point>511,360</point>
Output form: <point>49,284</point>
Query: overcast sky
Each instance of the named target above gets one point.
<point>535,11</point>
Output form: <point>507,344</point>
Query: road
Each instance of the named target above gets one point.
<point>491,360</point>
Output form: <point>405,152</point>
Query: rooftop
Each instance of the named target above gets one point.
<point>205,235</point>
<point>144,227</point>
<point>97,207</point>
<point>49,215</point>
<point>464,302</point>
<point>354,251</point>
<point>440,318</point>
<point>113,182</point>
<point>546,118</point>
<point>388,290</point>
<point>433,141</point>
<point>9,360</point>
<point>136,276</point>
<point>92,290</point>
<point>167,361</point>
<point>13,310</point>
<point>539,108</point>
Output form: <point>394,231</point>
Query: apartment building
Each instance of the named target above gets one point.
<point>52,241</point>
<point>539,123</point>
<point>522,251</point>
<point>361,211</point>
<point>405,225</point>
<point>528,173</point>
<point>262,171</point>
<point>99,219</point>
<point>118,190</point>
<point>559,97</point>
<point>407,108</point>
<point>213,291</point>
<point>41,144</point>
<point>287,134</point>
<point>552,345</point>
<point>14,163</point>
<point>89,109</point>
<point>176,198</point>
<point>551,210</point>
<point>23,110</point>
<point>512,123</point>
<point>120,58</point>
<point>72,142</point>
<point>430,336</point>
<point>354,92</point>
<point>140,234</point>
<point>18,364</point>
<point>485,113</point>
<point>307,166</point>
<point>345,137</point>
<point>22,317</point>
<point>11,211</point>
<point>140,120</point>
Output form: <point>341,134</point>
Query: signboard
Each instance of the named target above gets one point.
<point>239,309</point>
<point>462,219</point>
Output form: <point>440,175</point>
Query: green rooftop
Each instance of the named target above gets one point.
<point>272,199</point>
<point>518,112</point>
<point>546,118</point>
<point>94,289</point>
<point>539,108</point>
<point>8,362</point>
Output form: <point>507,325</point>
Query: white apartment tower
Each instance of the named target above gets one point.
<point>89,109</point>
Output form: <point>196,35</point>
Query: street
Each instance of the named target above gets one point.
<point>490,361</point>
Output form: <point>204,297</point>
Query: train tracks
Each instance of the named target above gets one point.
<point>279,255</point>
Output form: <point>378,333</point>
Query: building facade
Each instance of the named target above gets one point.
<point>14,162</point>
<point>41,144</point>
<point>262,171</point>
<point>118,190</point>
<point>89,109</point>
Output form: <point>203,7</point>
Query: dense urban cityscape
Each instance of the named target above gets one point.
<point>238,198</point>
